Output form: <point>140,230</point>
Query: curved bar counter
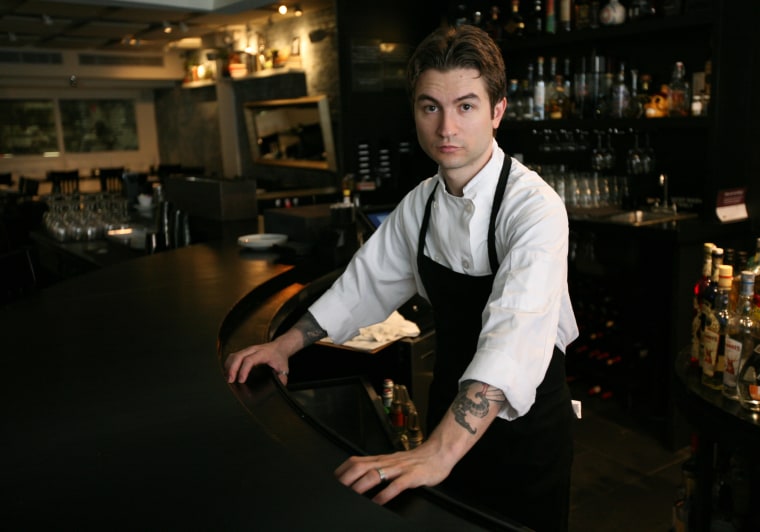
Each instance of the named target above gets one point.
<point>719,421</point>
<point>116,412</point>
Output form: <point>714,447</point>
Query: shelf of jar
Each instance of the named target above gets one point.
<point>634,29</point>
<point>247,77</point>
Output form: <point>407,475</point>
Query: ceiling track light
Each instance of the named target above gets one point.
<point>167,27</point>
<point>12,37</point>
<point>46,20</point>
<point>297,11</point>
<point>283,9</point>
<point>183,27</point>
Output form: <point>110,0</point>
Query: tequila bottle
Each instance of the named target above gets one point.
<point>714,335</point>
<point>679,101</point>
<point>743,336</point>
<point>700,288</point>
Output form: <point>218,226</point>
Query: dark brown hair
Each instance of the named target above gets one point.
<point>463,47</point>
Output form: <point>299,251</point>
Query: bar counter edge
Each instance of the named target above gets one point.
<point>116,412</point>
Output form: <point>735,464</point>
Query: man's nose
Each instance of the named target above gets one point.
<point>447,126</point>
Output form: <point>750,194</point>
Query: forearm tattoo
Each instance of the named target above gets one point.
<point>309,329</point>
<point>478,407</point>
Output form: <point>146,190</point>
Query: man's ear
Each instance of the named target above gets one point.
<point>498,112</point>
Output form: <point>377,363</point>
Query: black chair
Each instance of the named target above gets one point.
<point>112,179</point>
<point>64,182</point>
<point>6,178</point>
<point>28,187</point>
<point>192,171</point>
<point>168,170</point>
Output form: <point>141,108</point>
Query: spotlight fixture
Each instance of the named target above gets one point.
<point>183,27</point>
<point>46,20</point>
<point>297,11</point>
<point>167,27</point>
<point>283,9</point>
<point>12,37</point>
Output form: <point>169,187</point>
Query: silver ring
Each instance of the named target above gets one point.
<point>380,472</point>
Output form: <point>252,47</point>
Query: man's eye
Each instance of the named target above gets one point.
<point>466,106</point>
<point>430,108</point>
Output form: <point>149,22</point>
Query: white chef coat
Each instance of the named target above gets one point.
<point>529,309</point>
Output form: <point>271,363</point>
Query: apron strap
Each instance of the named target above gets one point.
<point>497,199</point>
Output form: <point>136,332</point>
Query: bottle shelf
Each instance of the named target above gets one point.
<point>630,30</point>
<point>623,124</point>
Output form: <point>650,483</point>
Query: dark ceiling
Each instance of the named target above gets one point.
<point>110,26</point>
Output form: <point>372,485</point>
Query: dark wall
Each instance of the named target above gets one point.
<point>187,121</point>
<point>375,109</point>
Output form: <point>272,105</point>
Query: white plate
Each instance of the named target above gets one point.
<point>262,241</point>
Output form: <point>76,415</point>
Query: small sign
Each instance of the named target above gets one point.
<point>732,205</point>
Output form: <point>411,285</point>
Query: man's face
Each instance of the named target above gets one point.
<point>455,122</point>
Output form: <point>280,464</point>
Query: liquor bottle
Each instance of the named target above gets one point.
<point>595,7</point>
<point>679,103</point>
<point>743,336</point>
<point>582,14</point>
<point>534,20</point>
<point>635,107</point>
<point>514,27</point>
<point>551,18</point>
<point>539,91</point>
<point>565,15</point>
<point>494,24</point>
<point>714,360</point>
<point>748,383</point>
<point>620,95</point>
<point>700,287</point>
<point>558,105</point>
<point>567,80</point>
<point>513,99</point>
<point>550,84</point>
<point>527,96</point>
<point>708,299</point>
<point>740,265</point>
<point>754,267</point>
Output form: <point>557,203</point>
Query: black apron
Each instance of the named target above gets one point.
<point>519,469</point>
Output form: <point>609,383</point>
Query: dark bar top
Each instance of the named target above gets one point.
<point>116,413</point>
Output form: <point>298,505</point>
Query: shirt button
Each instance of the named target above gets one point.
<point>469,208</point>
<point>437,258</point>
<point>466,264</point>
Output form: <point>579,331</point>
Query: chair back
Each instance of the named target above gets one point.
<point>28,186</point>
<point>64,182</point>
<point>111,179</point>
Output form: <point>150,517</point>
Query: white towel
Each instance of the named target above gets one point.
<point>385,332</point>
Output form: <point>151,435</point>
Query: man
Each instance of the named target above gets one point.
<point>485,241</point>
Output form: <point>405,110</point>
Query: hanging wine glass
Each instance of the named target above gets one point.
<point>647,157</point>
<point>634,161</point>
<point>597,154</point>
<point>609,152</point>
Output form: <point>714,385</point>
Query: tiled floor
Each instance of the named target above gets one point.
<point>624,478</point>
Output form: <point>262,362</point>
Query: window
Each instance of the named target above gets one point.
<point>27,127</point>
<point>98,125</point>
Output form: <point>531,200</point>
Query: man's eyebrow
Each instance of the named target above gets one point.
<point>426,97</point>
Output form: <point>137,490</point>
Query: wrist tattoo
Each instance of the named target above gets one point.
<point>478,406</point>
<point>309,329</point>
